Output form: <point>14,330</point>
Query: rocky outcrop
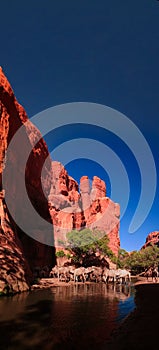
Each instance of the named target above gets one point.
<point>152,238</point>
<point>31,253</point>
<point>54,195</point>
<point>64,203</point>
<point>85,192</point>
<point>74,208</point>
<point>98,188</point>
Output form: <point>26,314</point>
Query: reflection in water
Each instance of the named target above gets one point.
<point>71,317</point>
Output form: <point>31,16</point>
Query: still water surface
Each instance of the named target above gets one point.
<point>71,317</point>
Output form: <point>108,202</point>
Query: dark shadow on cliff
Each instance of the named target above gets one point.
<point>36,253</point>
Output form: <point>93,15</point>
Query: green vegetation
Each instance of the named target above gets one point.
<point>87,247</point>
<point>60,254</point>
<point>123,255</point>
<point>68,256</point>
<point>85,244</point>
<point>139,261</point>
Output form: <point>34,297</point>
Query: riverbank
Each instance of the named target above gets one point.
<point>54,282</point>
<point>140,330</point>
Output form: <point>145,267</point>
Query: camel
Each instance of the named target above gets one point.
<point>153,273</point>
<point>79,274</point>
<point>54,272</point>
<point>112,273</point>
<point>65,273</point>
<point>96,274</point>
<point>105,275</point>
<point>93,273</point>
<point>123,275</point>
<point>88,271</point>
<point>62,273</point>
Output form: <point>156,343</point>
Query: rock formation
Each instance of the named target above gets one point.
<point>64,203</point>
<point>55,196</point>
<point>152,238</point>
<point>19,250</point>
<point>15,274</point>
<point>71,209</point>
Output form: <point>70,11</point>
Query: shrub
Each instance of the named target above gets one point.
<point>60,254</point>
<point>85,243</point>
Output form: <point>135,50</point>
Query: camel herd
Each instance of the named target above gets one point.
<point>91,274</point>
<point>153,273</point>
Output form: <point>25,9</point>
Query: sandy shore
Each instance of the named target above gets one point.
<point>53,282</point>
<point>140,330</point>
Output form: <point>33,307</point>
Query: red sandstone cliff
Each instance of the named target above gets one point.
<point>17,249</point>
<point>65,204</point>
<point>71,208</point>
<point>152,238</point>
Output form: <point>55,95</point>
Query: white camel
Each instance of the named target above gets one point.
<point>123,275</point>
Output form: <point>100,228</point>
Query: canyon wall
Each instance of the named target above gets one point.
<point>55,195</point>
<point>32,253</point>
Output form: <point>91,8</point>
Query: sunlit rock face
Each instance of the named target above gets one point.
<point>152,238</point>
<point>64,203</point>
<point>54,194</point>
<point>31,253</point>
<point>75,208</point>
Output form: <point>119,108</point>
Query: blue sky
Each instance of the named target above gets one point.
<point>106,52</point>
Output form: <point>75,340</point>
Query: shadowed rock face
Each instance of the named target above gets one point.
<point>15,273</point>
<point>22,251</point>
<point>53,193</point>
